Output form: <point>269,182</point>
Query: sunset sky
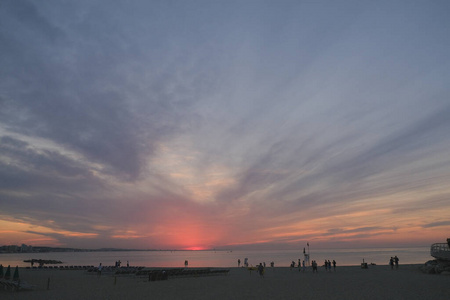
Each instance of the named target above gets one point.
<point>224,124</point>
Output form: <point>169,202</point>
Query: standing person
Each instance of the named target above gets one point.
<point>396,261</point>
<point>303,266</point>
<point>239,262</point>
<point>391,262</point>
<point>186,263</point>
<point>326,265</point>
<point>261,270</point>
<point>329,265</point>
<point>246,262</point>
<point>128,264</point>
<point>314,266</point>
<point>99,270</point>
<point>334,265</point>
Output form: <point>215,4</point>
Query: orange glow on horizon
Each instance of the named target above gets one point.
<point>195,248</point>
<point>186,231</point>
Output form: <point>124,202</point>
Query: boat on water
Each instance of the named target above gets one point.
<point>441,251</point>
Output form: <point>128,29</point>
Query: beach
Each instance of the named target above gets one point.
<point>376,282</point>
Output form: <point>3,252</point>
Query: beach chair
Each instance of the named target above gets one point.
<point>11,285</point>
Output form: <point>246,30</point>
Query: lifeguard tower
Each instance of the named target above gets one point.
<point>306,256</point>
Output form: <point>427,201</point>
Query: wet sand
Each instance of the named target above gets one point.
<point>377,282</point>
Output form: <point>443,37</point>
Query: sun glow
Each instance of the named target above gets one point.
<point>195,248</point>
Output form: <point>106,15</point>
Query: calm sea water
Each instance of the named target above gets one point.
<point>343,257</point>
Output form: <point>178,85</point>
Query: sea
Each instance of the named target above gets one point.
<point>222,258</point>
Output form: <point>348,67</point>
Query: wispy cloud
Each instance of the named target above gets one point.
<point>437,224</point>
<point>178,125</point>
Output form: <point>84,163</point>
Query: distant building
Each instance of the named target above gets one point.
<point>25,248</point>
<point>16,249</point>
<point>13,248</point>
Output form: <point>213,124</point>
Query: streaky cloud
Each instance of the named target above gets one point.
<point>436,224</point>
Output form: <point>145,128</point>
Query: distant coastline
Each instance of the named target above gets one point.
<point>46,249</point>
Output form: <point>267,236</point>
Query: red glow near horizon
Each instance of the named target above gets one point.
<point>195,248</point>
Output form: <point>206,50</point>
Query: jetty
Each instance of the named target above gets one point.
<point>41,262</point>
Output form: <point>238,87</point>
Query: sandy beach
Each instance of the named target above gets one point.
<point>377,282</point>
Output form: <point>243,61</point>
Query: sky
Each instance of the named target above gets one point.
<point>224,124</point>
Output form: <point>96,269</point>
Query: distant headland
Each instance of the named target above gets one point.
<point>41,249</point>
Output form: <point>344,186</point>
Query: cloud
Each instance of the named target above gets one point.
<point>87,100</point>
<point>269,123</point>
<point>437,224</point>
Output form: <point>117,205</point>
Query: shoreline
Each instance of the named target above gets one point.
<point>281,258</point>
<point>347,282</point>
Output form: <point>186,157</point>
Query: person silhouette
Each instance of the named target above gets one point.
<point>261,270</point>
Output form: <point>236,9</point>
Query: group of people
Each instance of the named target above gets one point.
<point>327,265</point>
<point>118,263</point>
<point>394,261</point>
<point>245,262</point>
<point>301,265</point>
